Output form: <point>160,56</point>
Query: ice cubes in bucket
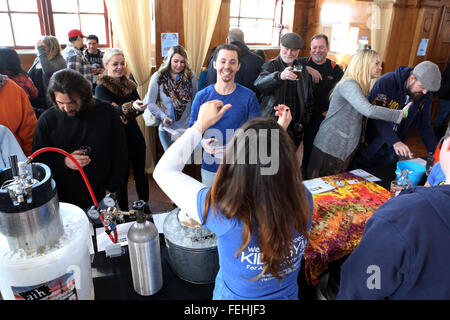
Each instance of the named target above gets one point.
<point>183,236</point>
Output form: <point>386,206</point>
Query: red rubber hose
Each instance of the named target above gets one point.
<point>86,181</point>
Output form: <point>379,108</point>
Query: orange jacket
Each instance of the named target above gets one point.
<point>17,114</point>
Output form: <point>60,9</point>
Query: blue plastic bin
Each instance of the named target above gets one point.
<point>416,171</point>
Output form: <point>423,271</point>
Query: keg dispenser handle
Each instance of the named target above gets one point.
<point>14,164</point>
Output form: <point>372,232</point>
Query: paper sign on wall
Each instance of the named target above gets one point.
<point>422,50</point>
<point>168,40</point>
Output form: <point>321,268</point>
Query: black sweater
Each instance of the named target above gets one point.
<point>98,127</point>
<point>135,139</point>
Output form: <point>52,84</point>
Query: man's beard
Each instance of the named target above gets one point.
<point>72,114</point>
<point>318,58</point>
<point>414,96</point>
<point>288,59</point>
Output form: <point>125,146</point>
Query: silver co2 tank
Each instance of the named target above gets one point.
<point>145,256</point>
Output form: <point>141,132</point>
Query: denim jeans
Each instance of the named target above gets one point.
<point>207,177</point>
<point>165,138</point>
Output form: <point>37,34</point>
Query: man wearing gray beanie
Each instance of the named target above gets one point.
<point>278,84</point>
<point>386,140</point>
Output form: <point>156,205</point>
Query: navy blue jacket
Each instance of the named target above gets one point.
<point>404,251</point>
<point>250,67</point>
<point>444,91</point>
<point>379,132</point>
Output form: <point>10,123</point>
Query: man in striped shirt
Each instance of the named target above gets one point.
<point>74,55</point>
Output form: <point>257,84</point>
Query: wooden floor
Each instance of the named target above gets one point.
<point>159,202</point>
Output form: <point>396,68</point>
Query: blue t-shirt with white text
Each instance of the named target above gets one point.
<point>233,281</point>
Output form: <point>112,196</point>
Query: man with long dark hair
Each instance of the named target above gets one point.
<point>88,129</point>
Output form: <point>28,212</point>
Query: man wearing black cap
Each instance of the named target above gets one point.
<point>386,140</point>
<point>74,55</point>
<point>278,84</point>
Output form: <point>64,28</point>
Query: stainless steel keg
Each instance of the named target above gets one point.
<point>29,208</point>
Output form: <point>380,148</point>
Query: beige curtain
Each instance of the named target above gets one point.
<point>132,27</point>
<point>199,18</point>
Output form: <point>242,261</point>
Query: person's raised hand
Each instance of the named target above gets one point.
<point>287,74</point>
<point>406,109</point>
<point>284,115</point>
<point>210,112</point>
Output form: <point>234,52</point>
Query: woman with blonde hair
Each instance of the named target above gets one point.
<point>340,132</point>
<point>114,87</point>
<point>48,61</point>
<point>261,217</point>
<point>171,92</point>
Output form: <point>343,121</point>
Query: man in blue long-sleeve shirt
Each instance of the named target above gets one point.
<point>244,102</point>
<point>386,140</point>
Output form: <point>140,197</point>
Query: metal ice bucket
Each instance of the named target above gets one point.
<point>194,263</point>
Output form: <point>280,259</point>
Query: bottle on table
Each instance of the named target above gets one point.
<point>430,162</point>
<point>401,183</point>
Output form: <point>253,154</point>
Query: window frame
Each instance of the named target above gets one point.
<point>273,19</point>
<point>47,25</point>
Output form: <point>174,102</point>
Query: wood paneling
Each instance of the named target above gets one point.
<point>440,52</point>
<point>308,22</point>
<point>26,60</point>
<point>429,19</point>
<point>168,18</point>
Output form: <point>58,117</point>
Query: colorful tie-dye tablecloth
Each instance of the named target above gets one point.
<point>339,219</point>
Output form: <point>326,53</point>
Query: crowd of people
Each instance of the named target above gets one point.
<point>262,126</point>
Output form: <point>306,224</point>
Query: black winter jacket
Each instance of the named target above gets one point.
<point>444,91</point>
<point>250,68</point>
<point>273,90</point>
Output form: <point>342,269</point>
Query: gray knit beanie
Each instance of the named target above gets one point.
<point>429,75</point>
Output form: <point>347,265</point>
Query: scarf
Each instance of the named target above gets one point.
<point>122,87</point>
<point>179,92</point>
